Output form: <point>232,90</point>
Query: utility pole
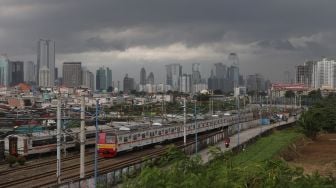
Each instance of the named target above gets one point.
<point>82,139</point>
<point>58,173</point>
<point>184,122</point>
<point>238,118</point>
<point>196,144</point>
<point>96,148</point>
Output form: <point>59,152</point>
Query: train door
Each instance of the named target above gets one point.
<point>13,143</point>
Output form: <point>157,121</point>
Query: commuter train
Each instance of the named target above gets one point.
<point>118,136</point>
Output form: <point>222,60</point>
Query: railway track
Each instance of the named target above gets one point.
<point>38,165</point>
<point>71,172</point>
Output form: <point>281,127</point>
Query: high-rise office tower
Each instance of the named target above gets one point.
<point>16,72</point>
<point>196,75</point>
<point>44,77</point>
<point>233,70</point>
<point>72,74</point>
<point>56,73</point>
<point>304,73</point>
<point>128,84</point>
<point>103,78</point>
<point>108,78</point>
<point>87,78</point>
<point>150,78</point>
<point>174,72</point>
<point>233,73</point>
<point>324,74</point>
<point>46,61</point>
<point>4,71</point>
<point>143,76</point>
<point>29,72</point>
<point>220,71</point>
<point>255,82</point>
<point>185,83</point>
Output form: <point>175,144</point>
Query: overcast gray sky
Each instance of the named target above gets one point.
<point>269,36</point>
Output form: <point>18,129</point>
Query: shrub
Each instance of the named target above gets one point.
<point>11,160</point>
<point>21,160</point>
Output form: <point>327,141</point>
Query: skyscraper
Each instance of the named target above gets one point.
<point>233,70</point>
<point>255,82</point>
<point>16,72</point>
<point>233,73</point>
<point>324,74</point>
<point>304,73</point>
<point>128,84</point>
<point>185,83</point>
<point>72,74</point>
<point>29,72</point>
<point>143,76</point>
<point>174,72</point>
<point>196,75</point>
<point>220,71</point>
<point>103,79</point>
<point>108,79</point>
<point>46,61</point>
<point>87,79</point>
<point>150,78</point>
<point>4,71</point>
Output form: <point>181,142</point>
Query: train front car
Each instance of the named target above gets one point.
<point>107,145</point>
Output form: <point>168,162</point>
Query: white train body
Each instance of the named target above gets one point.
<point>139,136</point>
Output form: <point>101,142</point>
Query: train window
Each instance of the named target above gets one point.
<point>178,129</point>
<point>110,139</point>
<point>143,135</point>
<point>120,139</point>
<point>166,131</point>
<point>171,130</point>
<point>156,133</point>
<point>44,142</point>
<point>159,132</point>
<point>125,139</point>
<point>135,137</point>
<point>147,133</point>
<point>91,135</point>
<point>151,134</point>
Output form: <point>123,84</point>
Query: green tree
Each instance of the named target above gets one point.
<point>311,123</point>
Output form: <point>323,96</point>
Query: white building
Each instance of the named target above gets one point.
<point>174,72</point>
<point>46,60</point>
<point>324,75</point>
<point>87,79</point>
<point>185,83</point>
<point>29,72</point>
<point>239,91</point>
<point>45,77</point>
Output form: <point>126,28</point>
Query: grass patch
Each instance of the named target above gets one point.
<point>267,147</point>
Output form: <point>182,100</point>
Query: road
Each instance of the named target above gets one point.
<point>244,136</point>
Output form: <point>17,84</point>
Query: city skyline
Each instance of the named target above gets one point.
<point>159,33</point>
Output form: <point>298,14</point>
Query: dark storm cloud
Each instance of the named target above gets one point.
<point>276,44</point>
<point>81,26</point>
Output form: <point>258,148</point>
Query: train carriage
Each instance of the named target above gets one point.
<point>120,136</point>
<point>107,144</point>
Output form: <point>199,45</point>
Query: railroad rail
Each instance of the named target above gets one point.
<point>70,172</point>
